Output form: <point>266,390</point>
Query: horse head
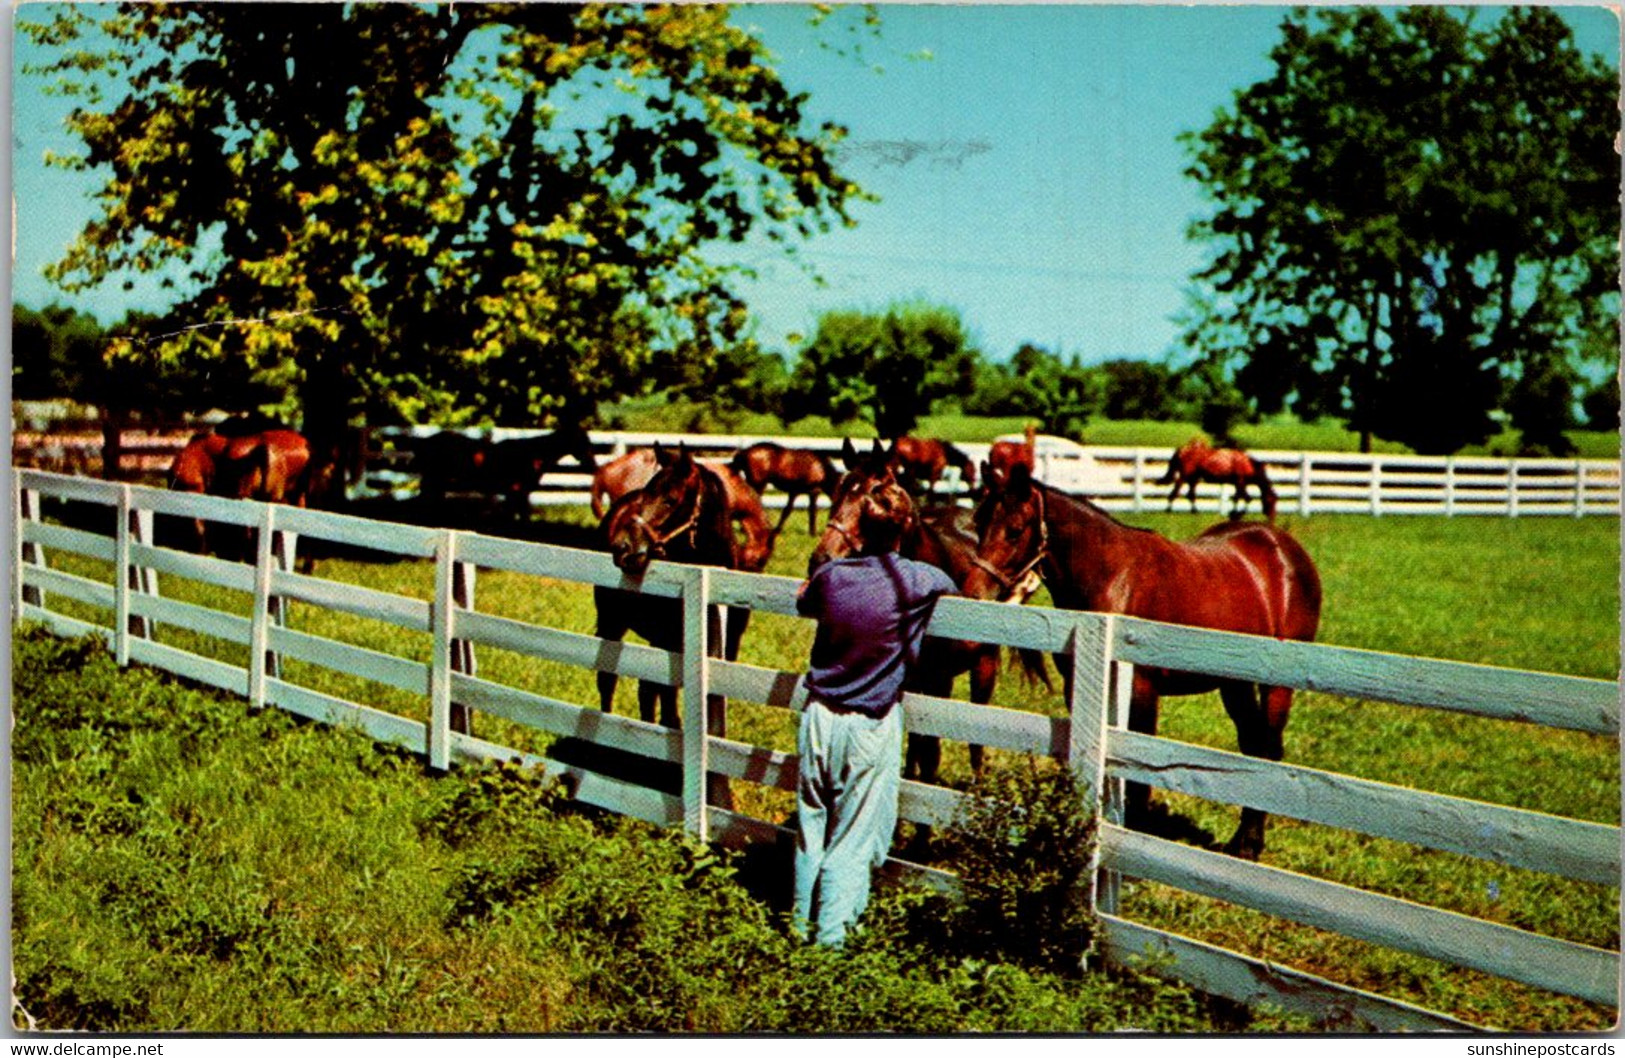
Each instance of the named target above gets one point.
<point>649,523</point>
<point>1012,532</point>
<point>871,509</point>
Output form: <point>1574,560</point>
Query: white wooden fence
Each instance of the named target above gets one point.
<point>1092,739</point>
<point>1125,478</point>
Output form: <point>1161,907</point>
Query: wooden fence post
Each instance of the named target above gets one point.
<point>440,664</point>
<point>462,650</point>
<point>1091,713</point>
<point>28,553</point>
<point>1376,485</point>
<point>1304,476</point>
<point>1139,479</point>
<point>270,555</point>
<point>696,691</point>
<point>134,527</point>
<point>1449,486</point>
<point>1512,488</point>
<point>1579,488</point>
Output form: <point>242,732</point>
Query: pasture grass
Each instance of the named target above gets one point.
<point>1533,593</point>
<point>182,865</point>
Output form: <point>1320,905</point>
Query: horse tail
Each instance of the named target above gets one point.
<point>1033,668</point>
<point>1172,473</point>
<point>599,493</point>
<point>1266,491</point>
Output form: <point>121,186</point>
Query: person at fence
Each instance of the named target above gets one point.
<point>872,610</point>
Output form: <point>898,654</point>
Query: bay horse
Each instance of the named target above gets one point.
<point>922,461</point>
<point>1237,577</point>
<point>681,515</point>
<point>635,469</point>
<point>1196,461</point>
<point>946,538</point>
<point>793,471</point>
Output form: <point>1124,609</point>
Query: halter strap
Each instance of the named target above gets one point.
<point>1013,582</point>
<point>661,539</point>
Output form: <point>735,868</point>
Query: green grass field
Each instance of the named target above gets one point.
<point>1281,432</point>
<point>1528,593</point>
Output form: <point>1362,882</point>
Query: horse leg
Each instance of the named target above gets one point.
<point>1190,492</point>
<point>784,515</point>
<point>1143,709</point>
<point>612,625</point>
<point>1174,495</point>
<point>1260,722</point>
<point>984,673</point>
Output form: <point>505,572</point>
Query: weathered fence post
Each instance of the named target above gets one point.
<point>442,621</point>
<point>28,553</point>
<point>696,692</point>
<point>1579,488</point>
<point>1376,485</point>
<point>1449,486</point>
<point>1512,488</point>
<point>271,554</point>
<point>1091,714</point>
<point>1304,476</point>
<point>462,650</point>
<point>134,527</point>
<point>1139,479</point>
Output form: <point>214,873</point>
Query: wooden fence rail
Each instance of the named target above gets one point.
<point>126,608</point>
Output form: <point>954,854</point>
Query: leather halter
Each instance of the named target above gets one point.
<point>659,539</point>
<point>1022,583</point>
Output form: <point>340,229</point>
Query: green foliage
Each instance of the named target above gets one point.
<point>1023,844</point>
<point>889,368</point>
<point>1413,204</point>
<point>282,877</point>
<point>470,211</point>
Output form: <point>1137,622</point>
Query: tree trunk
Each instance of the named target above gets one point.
<point>113,443</point>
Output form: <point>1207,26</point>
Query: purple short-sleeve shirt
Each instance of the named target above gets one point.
<point>871,613</point>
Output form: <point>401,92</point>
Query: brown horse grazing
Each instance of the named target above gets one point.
<point>1237,577</point>
<point>946,538</point>
<point>795,471</point>
<point>922,461</point>
<point>271,466</point>
<point>637,468</point>
<point>681,515</point>
<point>1197,461</point>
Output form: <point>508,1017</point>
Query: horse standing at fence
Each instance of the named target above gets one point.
<point>1198,461</point>
<point>637,468</point>
<point>922,461</point>
<point>793,471</point>
<point>681,515</point>
<point>946,538</point>
<point>1236,577</point>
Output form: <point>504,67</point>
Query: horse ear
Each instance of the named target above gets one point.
<point>1021,478</point>
<point>663,458</point>
<point>992,477</point>
<point>849,455</point>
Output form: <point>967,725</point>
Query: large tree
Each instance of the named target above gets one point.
<point>1416,222</point>
<point>888,368</point>
<point>452,212</point>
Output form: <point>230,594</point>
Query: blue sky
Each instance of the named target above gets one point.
<point>1025,159</point>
